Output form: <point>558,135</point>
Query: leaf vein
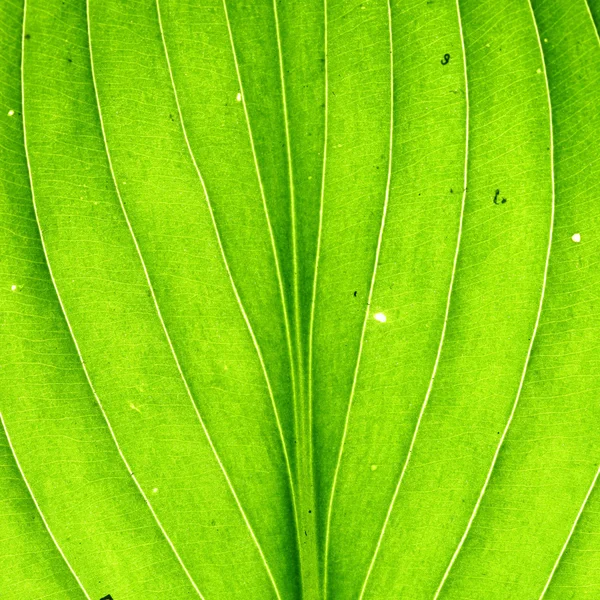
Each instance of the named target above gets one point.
<point>572,530</point>
<point>275,257</point>
<point>367,309</point>
<point>535,326</point>
<point>444,326</point>
<point>39,509</point>
<point>240,304</point>
<point>589,11</point>
<point>68,322</point>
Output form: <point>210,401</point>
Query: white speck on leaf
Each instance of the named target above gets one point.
<point>155,490</point>
<point>576,237</point>
<point>239,97</point>
<point>11,112</point>
<point>13,288</point>
<point>373,467</point>
<point>380,317</point>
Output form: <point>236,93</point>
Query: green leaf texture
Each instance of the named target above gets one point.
<point>299,299</point>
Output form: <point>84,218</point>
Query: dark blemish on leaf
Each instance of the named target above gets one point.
<point>355,292</point>
<point>171,117</point>
<point>310,512</point>
<point>69,60</point>
<point>451,191</point>
<point>109,597</point>
<point>446,59</point>
<point>27,36</point>
<point>496,201</point>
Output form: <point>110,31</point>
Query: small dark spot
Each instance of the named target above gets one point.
<point>171,117</point>
<point>69,60</point>
<point>446,59</point>
<point>355,292</point>
<point>109,597</point>
<point>27,36</point>
<point>310,512</point>
<point>451,191</point>
<point>496,200</point>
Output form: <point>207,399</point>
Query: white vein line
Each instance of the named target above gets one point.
<point>242,310</point>
<point>595,479</point>
<point>273,247</point>
<point>320,230</point>
<point>562,551</point>
<point>589,10</point>
<point>444,326</point>
<point>70,328</point>
<point>367,309</point>
<point>37,506</point>
<point>292,198</point>
<point>535,327</point>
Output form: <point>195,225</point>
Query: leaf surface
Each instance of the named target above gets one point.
<point>299,299</point>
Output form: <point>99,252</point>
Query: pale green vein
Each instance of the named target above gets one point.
<point>313,300</point>
<point>272,238</point>
<point>589,11</point>
<point>444,326</point>
<point>304,467</point>
<point>535,326</point>
<point>39,510</point>
<point>367,308</point>
<point>572,530</point>
<point>292,194</point>
<point>70,328</point>
<point>241,306</point>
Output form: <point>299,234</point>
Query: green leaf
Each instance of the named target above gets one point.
<point>299,299</point>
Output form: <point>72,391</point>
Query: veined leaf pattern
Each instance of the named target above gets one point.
<point>299,299</point>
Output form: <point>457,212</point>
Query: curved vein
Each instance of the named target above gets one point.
<point>366,317</point>
<point>535,326</point>
<point>273,248</point>
<point>39,510</point>
<point>589,10</point>
<point>313,300</point>
<point>72,333</point>
<point>444,326</point>
<point>562,551</point>
<point>242,310</point>
<point>292,194</point>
